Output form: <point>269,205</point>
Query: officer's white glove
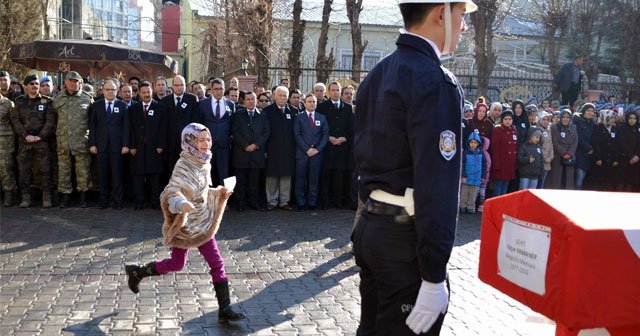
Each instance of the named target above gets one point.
<point>432,301</point>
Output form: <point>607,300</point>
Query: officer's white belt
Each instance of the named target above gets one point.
<point>405,201</point>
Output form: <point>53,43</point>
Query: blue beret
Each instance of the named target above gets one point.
<point>45,79</point>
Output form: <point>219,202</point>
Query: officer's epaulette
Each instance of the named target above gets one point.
<point>19,98</point>
<point>45,99</point>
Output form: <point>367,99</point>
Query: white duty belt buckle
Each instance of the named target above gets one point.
<point>405,201</point>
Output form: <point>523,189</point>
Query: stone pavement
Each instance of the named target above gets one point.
<point>61,273</point>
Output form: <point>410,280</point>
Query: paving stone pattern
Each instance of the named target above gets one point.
<point>291,273</point>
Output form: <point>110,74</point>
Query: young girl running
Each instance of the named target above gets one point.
<point>192,214</point>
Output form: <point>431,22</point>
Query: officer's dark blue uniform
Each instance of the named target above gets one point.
<point>407,124</point>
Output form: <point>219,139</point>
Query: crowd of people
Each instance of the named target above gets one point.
<point>516,145</point>
<point>288,149</point>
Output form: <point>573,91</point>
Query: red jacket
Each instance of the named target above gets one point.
<point>504,150</point>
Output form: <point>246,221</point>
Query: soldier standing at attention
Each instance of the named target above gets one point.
<point>7,151</point>
<point>33,121</point>
<point>407,153</point>
<point>72,134</point>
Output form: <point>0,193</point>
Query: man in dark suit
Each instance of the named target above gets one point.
<point>312,135</point>
<point>335,180</point>
<point>280,150</point>
<point>109,128</point>
<point>250,135</point>
<point>217,113</point>
<point>568,81</point>
<point>148,144</point>
<point>182,109</point>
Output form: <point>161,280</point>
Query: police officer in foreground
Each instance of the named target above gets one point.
<point>33,121</point>
<point>72,135</point>
<point>407,150</point>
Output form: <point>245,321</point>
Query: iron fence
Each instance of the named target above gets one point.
<point>504,84</point>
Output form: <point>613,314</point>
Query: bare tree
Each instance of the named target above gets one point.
<point>589,16</point>
<point>46,27</point>
<point>483,21</point>
<point>16,22</point>
<point>297,40</point>
<point>323,62</point>
<point>354,8</point>
<point>555,16</point>
<point>629,16</point>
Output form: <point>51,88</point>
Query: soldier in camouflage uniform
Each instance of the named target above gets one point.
<point>7,151</point>
<point>72,135</point>
<point>5,87</point>
<point>33,122</point>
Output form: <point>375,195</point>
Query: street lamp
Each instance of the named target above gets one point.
<point>245,65</point>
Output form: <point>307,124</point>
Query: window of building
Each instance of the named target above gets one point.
<point>370,59</point>
<point>346,58</point>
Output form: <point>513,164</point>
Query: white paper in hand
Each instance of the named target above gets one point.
<point>230,182</point>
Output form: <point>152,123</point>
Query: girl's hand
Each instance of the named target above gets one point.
<point>187,207</point>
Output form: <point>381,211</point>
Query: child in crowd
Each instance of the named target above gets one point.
<point>482,194</point>
<point>504,150</point>
<point>546,144</point>
<point>473,173</point>
<point>530,160</point>
<point>192,215</point>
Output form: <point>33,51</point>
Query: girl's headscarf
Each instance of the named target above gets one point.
<point>190,141</point>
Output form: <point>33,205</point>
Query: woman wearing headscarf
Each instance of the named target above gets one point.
<point>565,142</point>
<point>520,120</point>
<point>606,151</point>
<point>584,122</point>
<point>629,136</point>
<point>480,123</point>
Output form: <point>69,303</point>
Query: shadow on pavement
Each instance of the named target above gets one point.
<point>90,327</point>
<point>261,310</point>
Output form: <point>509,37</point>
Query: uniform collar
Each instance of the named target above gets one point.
<point>418,42</point>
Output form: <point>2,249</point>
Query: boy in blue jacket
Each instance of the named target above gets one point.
<point>474,167</point>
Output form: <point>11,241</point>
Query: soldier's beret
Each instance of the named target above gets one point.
<point>74,75</point>
<point>29,79</point>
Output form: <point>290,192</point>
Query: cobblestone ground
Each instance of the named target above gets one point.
<point>61,272</point>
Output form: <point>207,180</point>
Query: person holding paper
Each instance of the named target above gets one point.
<point>192,215</point>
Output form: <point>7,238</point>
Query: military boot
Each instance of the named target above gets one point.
<point>26,200</point>
<point>8,198</point>
<point>66,200</point>
<point>225,313</point>
<point>137,273</point>
<point>83,199</point>
<point>46,199</point>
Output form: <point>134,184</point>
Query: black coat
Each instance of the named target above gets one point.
<point>148,133</point>
<point>177,118</point>
<point>585,133</point>
<point>629,138</point>
<point>247,132</point>
<point>109,132</point>
<point>526,168</point>
<point>340,125</point>
<point>281,146</point>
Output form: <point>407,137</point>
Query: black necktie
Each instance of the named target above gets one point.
<point>109,108</point>
<point>337,106</point>
<point>178,101</point>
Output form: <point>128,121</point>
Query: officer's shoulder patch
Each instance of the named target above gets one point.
<point>447,144</point>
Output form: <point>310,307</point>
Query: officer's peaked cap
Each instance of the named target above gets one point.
<point>471,7</point>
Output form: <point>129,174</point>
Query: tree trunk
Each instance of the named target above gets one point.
<point>483,20</point>
<point>46,31</point>
<point>262,40</point>
<point>324,63</point>
<point>297,40</point>
<point>354,7</point>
